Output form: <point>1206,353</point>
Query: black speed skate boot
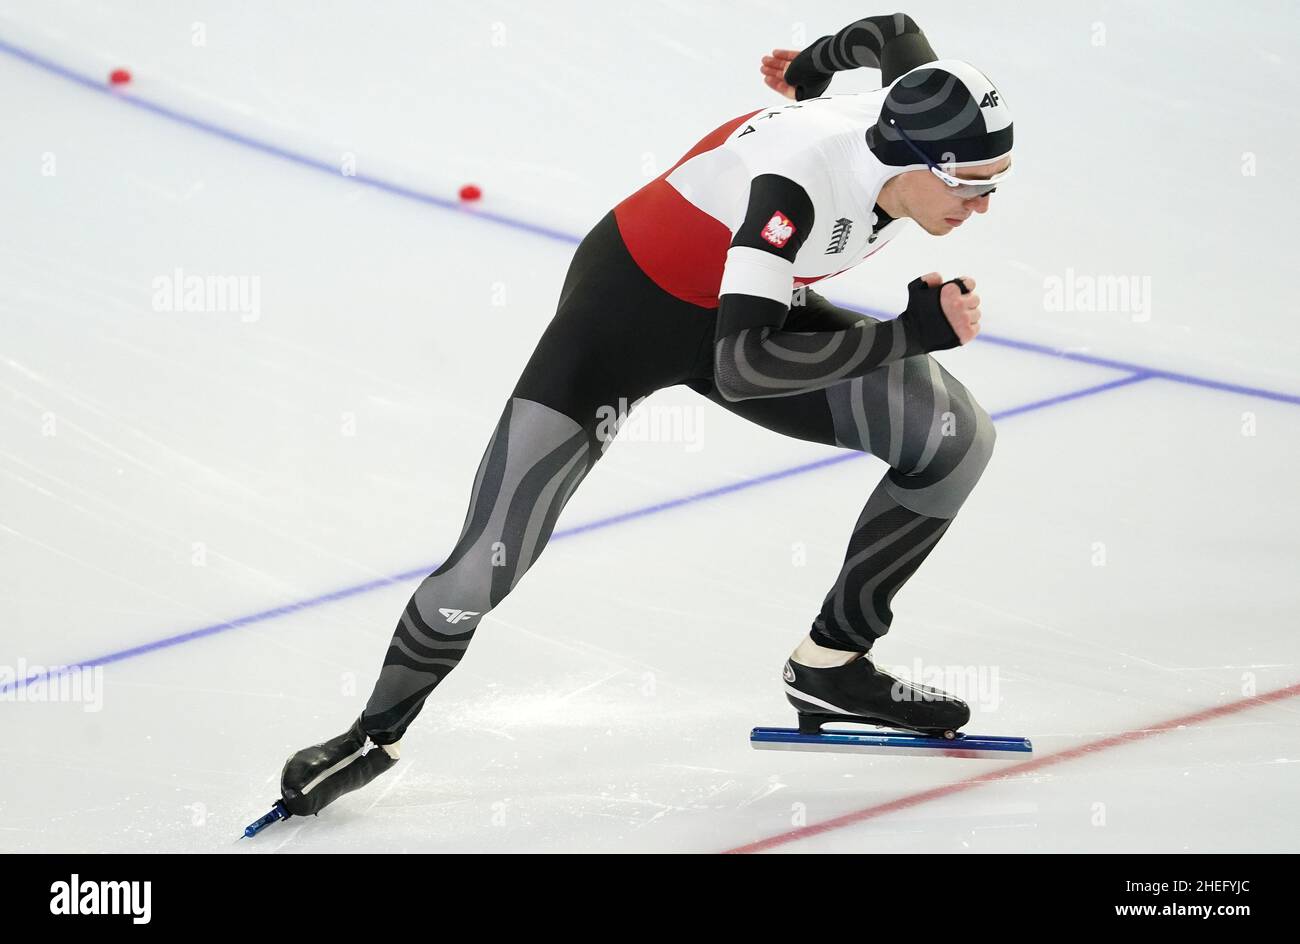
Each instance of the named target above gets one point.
<point>318,775</point>
<point>861,693</point>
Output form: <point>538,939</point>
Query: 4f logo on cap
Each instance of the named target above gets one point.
<point>990,99</point>
<point>778,230</point>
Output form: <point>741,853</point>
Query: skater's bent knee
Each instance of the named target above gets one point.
<point>957,451</point>
<point>986,433</point>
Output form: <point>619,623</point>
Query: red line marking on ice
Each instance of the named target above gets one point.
<point>1092,747</point>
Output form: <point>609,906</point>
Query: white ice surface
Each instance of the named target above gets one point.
<point>606,705</point>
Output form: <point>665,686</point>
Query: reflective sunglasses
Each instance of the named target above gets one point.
<point>966,189</point>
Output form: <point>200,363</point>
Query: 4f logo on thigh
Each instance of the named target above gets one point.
<point>457,616</point>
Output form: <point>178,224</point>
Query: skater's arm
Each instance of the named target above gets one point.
<point>811,312</point>
<point>766,361</point>
<point>754,356</point>
<point>893,44</point>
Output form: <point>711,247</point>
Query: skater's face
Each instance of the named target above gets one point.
<point>932,203</point>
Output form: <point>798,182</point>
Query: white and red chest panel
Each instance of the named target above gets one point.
<point>680,225</point>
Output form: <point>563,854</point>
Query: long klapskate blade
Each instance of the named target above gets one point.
<point>891,742</point>
<point>277,814</point>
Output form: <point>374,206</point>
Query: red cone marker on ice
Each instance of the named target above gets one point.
<point>119,77</point>
<point>470,192</point>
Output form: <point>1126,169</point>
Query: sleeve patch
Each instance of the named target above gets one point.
<point>778,230</point>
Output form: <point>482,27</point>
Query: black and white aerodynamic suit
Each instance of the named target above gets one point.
<point>701,278</point>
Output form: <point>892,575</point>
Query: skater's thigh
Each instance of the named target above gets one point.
<point>590,374</point>
<point>899,412</point>
<point>912,413</point>
<point>616,337</point>
<point>805,416</point>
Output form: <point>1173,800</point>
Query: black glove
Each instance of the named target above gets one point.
<point>807,79</point>
<point>924,317</point>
